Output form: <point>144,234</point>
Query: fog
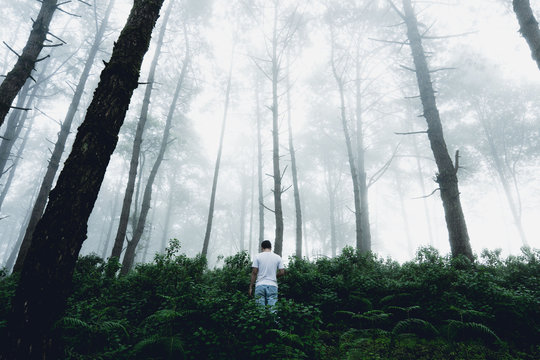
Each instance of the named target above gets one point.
<point>486,87</point>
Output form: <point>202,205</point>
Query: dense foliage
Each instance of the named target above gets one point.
<point>354,306</point>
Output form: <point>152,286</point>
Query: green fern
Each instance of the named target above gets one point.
<point>415,326</point>
<point>165,347</point>
<point>73,322</point>
<point>290,337</point>
<point>456,327</point>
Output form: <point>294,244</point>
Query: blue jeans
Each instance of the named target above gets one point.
<point>266,295</point>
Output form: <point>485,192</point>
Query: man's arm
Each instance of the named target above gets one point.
<point>280,273</point>
<point>254,272</point>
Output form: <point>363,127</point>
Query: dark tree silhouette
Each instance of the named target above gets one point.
<point>528,27</point>
<point>46,276</point>
<point>26,61</point>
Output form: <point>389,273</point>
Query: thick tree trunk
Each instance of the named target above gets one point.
<point>59,146</point>
<point>129,256</point>
<point>134,163</point>
<point>278,210</point>
<point>528,27</point>
<point>360,163</point>
<point>296,190</point>
<point>218,162</point>
<point>22,69</point>
<point>447,173</point>
<point>45,280</point>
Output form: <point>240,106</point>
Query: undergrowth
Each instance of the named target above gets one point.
<point>354,306</point>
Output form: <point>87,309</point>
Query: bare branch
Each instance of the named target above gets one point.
<point>442,69</point>
<point>56,37</point>
<point>267,208</point>
<point>10,48</point>
<point>407,68</point>
<point>379,173</point>
<point>401,15</point>
<point>390,41</point>
<point>20,108</point>
<point>411,133</point>
<point>456,166</point>
<point>449,36</point>
<point>426,196</point>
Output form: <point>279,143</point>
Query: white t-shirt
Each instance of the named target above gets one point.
<point>268,263</point>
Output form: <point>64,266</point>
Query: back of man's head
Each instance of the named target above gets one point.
<point>266,244</point>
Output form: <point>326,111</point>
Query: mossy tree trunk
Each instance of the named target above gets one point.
<point>46,276</point>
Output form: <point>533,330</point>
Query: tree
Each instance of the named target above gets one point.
<point>131,248</point>
<point>447,170</point>
<point>47,271</point>
<point>218,161</point>
<point>136,152</point>
<point>15,79</point>
<point>528,27</point>
<point>54,162</point>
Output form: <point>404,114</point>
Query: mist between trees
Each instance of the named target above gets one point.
<point>383,125</point>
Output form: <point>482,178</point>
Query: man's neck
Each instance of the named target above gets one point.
<point>267,250</point>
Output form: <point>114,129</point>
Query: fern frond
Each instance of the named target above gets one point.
<point>284,335</point>
<point>112,325</point>
<point>344,312</point>
<point>167,346</point>
<point>481,329</point>
<point>73,322</point>
<point>415,326</point>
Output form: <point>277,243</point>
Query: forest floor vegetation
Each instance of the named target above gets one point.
<point>353,306</point>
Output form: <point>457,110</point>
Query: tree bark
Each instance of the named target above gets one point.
<point>296,190</point>
<point>360,162</point>
<point>218,162</point>
<point>134,163</point>
<point>129,257</point>
<point>60,145</point>
<point>22,69</point>
<point>45,279</point>
<point>278,210</point>
<point>447,173</point>
<point>528,27</point>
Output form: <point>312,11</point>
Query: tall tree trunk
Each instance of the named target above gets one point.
<point>331,190</point>
<point>404,214</point>
<point>10,134</point>
<point>218,161</point>
<point>259,168</point>
<point>134,163</point>
<point>243,203</point>
<point>168,215</point>
<point>129,256</point>
<point>149,235</point>
<point>296,190</point>
<point>251,207</point>
<point>107,241</point>
<point>360,158</point>
<point>504,172</point>
<point>18,156</point>
<point>447,172</point>
<point>528,27</point>
<point>15,79</point>
<point>278,210</point>
<point>59,146</point>
<point>46,276</point>
<point>360,244</point>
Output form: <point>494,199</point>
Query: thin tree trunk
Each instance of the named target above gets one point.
<point>251,206</point>
<point>502,172</point>
<point>134,163</point>
<point>10,134</point>
<point>278,210</point>
<point>296,190</point>
<point>60,145</point>
<point>149,235</point>
<point>114,208</point>
<point>259,167</point>
<point>404,215</point>
<point>46,276</point>
<point>243,204</point>
<point>18,156</point>
<point>362,177</point>
<point>528,27</point>
<point>168,214</point>
<point>218,161</point>
<point>447,172</point>
<point>129,256</point>
<point>331,190</point>
<point>350,154</point>
<point>15,79</point>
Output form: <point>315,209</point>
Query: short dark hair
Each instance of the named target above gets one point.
<point>266,244</point>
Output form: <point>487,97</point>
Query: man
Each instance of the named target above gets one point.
<point>266,268</point>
